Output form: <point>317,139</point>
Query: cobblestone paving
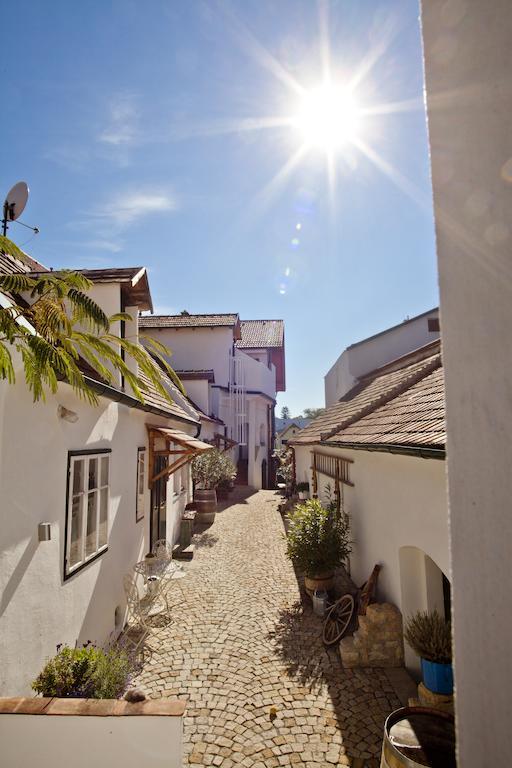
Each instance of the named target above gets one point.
<point>243,647</point>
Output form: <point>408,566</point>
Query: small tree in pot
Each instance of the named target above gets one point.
<point>208,469</point>
<point>317,542</point>
<point>430,636</point>
<point>228,476</point>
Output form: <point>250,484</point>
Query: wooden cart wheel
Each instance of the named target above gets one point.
<point>337,619</point>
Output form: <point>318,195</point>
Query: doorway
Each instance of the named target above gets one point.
<point>158,519</point>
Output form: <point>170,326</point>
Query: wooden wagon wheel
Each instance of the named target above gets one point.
<point>337,619</point>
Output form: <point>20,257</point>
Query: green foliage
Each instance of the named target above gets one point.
<point>285,470</point>
<point>52,323</point>
<point>317,542</point>
<point>302,487</point>
<point>86,672</point>
<point>285,412</point>
<point>211,468</point>
<point>312,413</point>
<point>430,636</point>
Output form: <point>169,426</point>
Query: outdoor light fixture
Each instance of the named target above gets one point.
<point>44,532</point>
<point>67,415</point>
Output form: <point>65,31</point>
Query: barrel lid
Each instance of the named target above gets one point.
<point>425,736</point>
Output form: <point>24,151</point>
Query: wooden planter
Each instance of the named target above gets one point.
<point>206,505</point>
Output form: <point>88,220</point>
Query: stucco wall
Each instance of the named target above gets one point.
<point>468,61</point>
<point>396,502</point>
<point>362,358</point>
<point>198,349</point>
<point>39,609</point>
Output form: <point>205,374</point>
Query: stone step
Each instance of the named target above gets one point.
<point>183,553</point>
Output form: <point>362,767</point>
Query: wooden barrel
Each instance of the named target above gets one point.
<point>206,505</point>
<point>419,737</point>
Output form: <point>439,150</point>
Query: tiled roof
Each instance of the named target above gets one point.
<point>261,333</point>
<point>113,274</point>
<point>200,375</point>
<point>371,393</point>
<point>154,398</point>
<point>187,321</point>
<point>414,418</point>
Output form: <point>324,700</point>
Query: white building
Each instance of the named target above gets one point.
<point>286,429</point>
<point>381,450</point>
<point>468,60</point>
<point>86,471</point>
<point>232,370</point>
<point>377,350</point>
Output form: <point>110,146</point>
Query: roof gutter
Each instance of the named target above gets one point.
<point>105,390</point>
<point>404,450</point>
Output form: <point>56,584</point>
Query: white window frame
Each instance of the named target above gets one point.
<point>141,484</point>
<point>83,496</point>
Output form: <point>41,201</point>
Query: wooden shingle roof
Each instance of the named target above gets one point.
<point>258,334</point>
<point>401,403</point>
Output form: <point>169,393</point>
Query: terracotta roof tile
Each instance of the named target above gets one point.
<point>154,398</point>
<point>187,321</point>
<point>261,333</point>
<point>414,418</point>
<point>370,394</point>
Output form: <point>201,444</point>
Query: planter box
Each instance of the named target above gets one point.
<point>438,678</point>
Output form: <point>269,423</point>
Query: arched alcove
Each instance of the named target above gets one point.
<point>424,587</point>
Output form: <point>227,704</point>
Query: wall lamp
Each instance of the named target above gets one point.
<point>67,415</point>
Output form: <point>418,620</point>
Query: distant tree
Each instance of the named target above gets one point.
<point>56,323</point>
<point>312,413</point>
<point>285,412</point>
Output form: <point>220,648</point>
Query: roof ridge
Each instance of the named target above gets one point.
<point>386,397</point>
<point>421,353</point>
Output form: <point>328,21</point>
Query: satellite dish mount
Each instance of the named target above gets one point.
<point>14,204</point>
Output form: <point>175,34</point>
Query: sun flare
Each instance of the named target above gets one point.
<point>328,118</point>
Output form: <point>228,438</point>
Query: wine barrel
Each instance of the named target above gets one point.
<point>419,737</point>
<point>206,505</point>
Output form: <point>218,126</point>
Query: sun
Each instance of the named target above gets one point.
<point>328,117</point>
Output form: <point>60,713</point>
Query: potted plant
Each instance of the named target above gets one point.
<point>87,672</point>
<point>226,483</point>
<point>429,635</point>
<point>303,490</point>
<point>208,470</point>
<point>317,543</point>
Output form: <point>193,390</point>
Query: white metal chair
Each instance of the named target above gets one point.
<point>142,609</point>
<point>163,551</point>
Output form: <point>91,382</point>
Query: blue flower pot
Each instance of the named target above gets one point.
<point>438,678</point>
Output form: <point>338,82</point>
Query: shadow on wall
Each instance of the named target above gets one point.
<point>424,587</point>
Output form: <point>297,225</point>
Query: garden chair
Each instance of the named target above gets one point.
<point>142,609</point>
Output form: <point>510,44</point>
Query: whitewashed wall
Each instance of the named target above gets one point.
<point>38,609</point>
<point>364,357</point>
<point>468,61</point>
<point>81,741</point>
<point>197,349</point>
<point>397,502</point>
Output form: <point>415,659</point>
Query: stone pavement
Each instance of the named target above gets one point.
<point>244,648</point>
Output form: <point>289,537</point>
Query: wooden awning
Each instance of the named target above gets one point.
<point>221,440</point>
<point>184,448</point>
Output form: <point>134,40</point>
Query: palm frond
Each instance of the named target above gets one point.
<point>7,246</point>
<point>16,283</point>
<point>6,366</point>
<point>86,311</point>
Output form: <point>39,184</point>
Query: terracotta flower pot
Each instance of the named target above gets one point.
<point>323,581</point>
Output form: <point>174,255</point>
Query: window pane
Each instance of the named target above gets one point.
<point>78,476</point>
<point>103,529</point>
<point>75,554</point>
<point>90,540</point>
<point>141,472</point>
<point>104,471</point>
<point>93,473</point>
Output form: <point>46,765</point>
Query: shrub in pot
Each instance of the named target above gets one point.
<point>87,672</point>
<point>430,637</point>
<point>303,490</point>
<point>317,542</point>
<point>208,470</point>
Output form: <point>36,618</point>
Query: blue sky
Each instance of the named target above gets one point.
<point>138,127</point>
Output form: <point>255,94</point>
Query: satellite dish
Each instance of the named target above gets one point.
<point>15,201</point>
